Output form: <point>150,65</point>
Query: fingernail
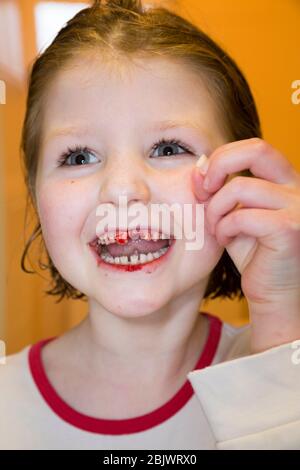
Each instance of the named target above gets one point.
<point>202,163</point>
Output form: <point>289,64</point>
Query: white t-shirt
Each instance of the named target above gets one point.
<point>230,400</point>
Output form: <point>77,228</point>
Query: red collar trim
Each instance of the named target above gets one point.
<point>120,426</point>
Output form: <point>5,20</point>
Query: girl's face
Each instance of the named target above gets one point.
<point>115,111</point>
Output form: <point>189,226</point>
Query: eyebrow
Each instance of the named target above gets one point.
<point>170,124</point>
<point>70,130</point>
<point>158,126</point>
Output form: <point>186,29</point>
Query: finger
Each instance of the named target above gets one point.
<point>258,223</point>
<point>250,192</point>
<point>254,154</point>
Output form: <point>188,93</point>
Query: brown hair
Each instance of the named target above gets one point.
<point>127,28</point>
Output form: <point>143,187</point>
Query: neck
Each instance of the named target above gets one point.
<point>163,345</point>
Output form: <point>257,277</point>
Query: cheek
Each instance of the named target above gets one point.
<point>61,212</point>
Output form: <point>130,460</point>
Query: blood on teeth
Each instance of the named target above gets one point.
<point>123,237</point>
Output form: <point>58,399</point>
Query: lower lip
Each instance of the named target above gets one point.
<point>148,268</point>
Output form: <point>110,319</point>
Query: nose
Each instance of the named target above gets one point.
<point>126,178</point>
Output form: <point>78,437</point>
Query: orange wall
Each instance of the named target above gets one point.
<point>261,36</point>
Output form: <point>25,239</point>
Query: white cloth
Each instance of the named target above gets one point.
<point>240,401</point>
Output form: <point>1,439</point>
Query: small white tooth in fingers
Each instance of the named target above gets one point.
<point>202,164</point>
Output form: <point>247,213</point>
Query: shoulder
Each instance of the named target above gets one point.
<point>17,403</point>
<point>13,367</point>
<point>14,378</point>
<point>20,401</point>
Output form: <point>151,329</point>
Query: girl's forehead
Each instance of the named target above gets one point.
<point>155,96</point>
<point>124,75</point>
<point>157,88</point>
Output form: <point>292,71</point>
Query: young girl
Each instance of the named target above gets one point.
<point>123,103</point>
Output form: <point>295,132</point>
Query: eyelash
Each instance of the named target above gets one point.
<point>79,149</point>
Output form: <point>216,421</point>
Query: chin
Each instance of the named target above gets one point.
<point>131,306</point>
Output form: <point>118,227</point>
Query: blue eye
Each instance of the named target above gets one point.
<point>168,145</point>
<point>78,155</point>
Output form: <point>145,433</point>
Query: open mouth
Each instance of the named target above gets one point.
<point>131,249</point>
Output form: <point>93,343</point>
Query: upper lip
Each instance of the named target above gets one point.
<point>115,229</point>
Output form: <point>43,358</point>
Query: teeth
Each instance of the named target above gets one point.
<point>107,239</point>
<point>110,259</point>
<point>134,234</point>
<point>155,236</point>
<point>146,236</point>
<point>142,258</point>
<point>134,259</point>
